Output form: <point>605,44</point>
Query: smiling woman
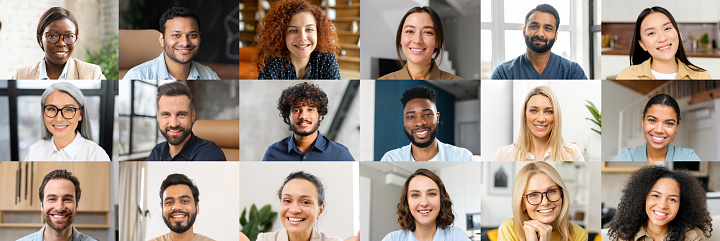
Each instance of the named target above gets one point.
<point>57,33</point>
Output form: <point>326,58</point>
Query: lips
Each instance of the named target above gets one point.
<point>174,132</point>
<point>424,212</point>
<point>60,127</point>
<point>421,133</point>
<point>178,216</point>
<point>660,215</point>
<point>295,220</point>
<point>547,211</point>
<point>301,46</point>
<point>540,127</point>
<point>304,123</point>
<point>184,50</point>
<point>416,50</point>
<point>59,217</point>
<point>664,48</point>
<point>658,139</point>
<point>60,54</point>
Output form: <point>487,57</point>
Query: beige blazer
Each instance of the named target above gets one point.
<point>435,74</point>
<point>77,69</point>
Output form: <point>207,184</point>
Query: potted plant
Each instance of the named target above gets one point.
<point>258,221</point>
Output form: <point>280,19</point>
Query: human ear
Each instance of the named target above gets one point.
<point>160,39</point>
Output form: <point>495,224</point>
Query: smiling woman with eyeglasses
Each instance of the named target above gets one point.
<point>66,134</point>
<point>57,33</point>
<point>540,208</point>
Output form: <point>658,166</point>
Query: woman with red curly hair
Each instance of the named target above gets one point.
<point>296,41</point>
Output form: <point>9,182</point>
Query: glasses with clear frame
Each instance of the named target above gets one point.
<point>54,37</point>
<point>552,195</point>
<point>67,112</point>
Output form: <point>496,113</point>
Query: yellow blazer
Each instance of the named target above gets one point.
<point>642,71</point>
<point>77,69</point>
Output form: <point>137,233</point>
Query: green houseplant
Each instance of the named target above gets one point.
<point>597,116</point>
<point>258,221</point>
<point>106,57</point>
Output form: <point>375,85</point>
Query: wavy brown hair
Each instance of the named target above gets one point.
<point>405,217</point>
<point>270,40</point>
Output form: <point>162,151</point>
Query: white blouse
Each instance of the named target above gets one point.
<point>80,149</point>
<point>507,153</point>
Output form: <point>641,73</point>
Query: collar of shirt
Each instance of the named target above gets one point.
<point>76,235</point>
<point>184,154</point>
<point>319,144</point>
<point>545,158</point>
<point>163,73</point>
<point>71,150</point>
<point>438,157</point>
<point>43,70</point>
<point>668,157</point>
<point>683,72</point>
<point>530,67</point>
<point>642,235</point>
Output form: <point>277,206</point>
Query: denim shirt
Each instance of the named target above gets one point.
<point>447,234</point>
<point>323,150</point>
<point>673,154</point>
<point>156,69</point>
<point>446,152</point>
<point>38,236</point>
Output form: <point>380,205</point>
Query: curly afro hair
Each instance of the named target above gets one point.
<point>270,40</point>
<point>420,91</point>
<point>444,219</point>
<point>302,94</point>
<point>631,215</point>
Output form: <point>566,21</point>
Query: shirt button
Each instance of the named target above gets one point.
<point>304,157</point>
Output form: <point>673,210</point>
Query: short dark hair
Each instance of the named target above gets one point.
<point>178,12</point>
<point>444,219</point>
<point>302,94</point>
<point>60,174</point>
<point>665,100</point>
<point>175,89</point>
<point>437,24</point>
<point>51,15</point>
<point>420,91</point>
<point>179,179</point>
<point>546,8</point>
<point>306,176</point>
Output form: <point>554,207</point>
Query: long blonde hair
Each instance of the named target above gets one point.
<point>558,151</point>
<point>562,222</point>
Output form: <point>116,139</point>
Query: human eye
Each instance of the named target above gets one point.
<point>309,29</point>
<point>292,30</point>
<point>429,32</point>
<point>533,111</point>
<point>51,108</point>
<point>409,117</point>
<point>671,123</point>
<point>533,195</point>
<point>650,33</point>
<point>414,195</point>
<point>548,112</point>
<point>168,203</point>
<point>286,200</point>
<point>409,31</point>
<point>432,194</point>
<point>52,35</point>
<point>306,202</point>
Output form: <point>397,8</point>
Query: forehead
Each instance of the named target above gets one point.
<point>302,19</point>
<point>653,20</point>
<point>59,98</point>
<point>61,25</point>
<point>177,191</point>
<point>181,23</point>
<point>59,187</point>
<point>422,183</point>
<point>667,186</point>
<point>419,104</point>
<point>300,187</point>
<point>542,18</point>
<point>540,182</point>
<point>540,101</point>
<point>661,111</point>
<point>419,19</point>
<point>178,102</point>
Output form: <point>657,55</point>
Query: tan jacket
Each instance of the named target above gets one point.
<point>694,234</point>
<point>642,71</point>
<point>435,74</point>
<point>77,69</point>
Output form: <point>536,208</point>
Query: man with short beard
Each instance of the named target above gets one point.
<point>303,106</point>
<point>180,39</point>
<point>59,197</point>
<point>538,62</point>
<point>421,119</point>
<point>179,200</point>
<point>175,116</point>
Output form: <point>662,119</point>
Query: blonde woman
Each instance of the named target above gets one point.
<point>540,208</point>
<point>540,136</point>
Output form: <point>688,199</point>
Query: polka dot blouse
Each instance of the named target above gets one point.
<point>320,66</point>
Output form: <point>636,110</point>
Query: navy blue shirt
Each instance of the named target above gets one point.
<point>320,66</point>
<point>195,149</point>
<point>323,150</point>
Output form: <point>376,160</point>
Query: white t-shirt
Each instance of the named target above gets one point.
<point>659,75</point>
<point>80,149</point>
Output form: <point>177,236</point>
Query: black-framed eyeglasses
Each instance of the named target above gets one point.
<point>552,195</point>
<point>54,37</point>
<point>66,112</point>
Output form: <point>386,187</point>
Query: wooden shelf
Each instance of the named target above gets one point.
<point>347,19</point>
<point>348,33</point>
<point>348,46</point>
<point>349,59</point>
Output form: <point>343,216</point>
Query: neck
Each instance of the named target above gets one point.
<point>656,155</point>
<point>538,60</point>
<point>305,143</point>
<point>664,66</point>
<point>539,147</point>
<point>304,236</point>
<point>656,232</point>
<point>54,70</point>
<point>301,66</point>
<point>63,142</point>
<point>53,235</point>
<point>424,154</point>
<point>420,70</point>
<point>175,149</point>
<point>425,232</point>
<point>185,236</point>
<point>177,70</point>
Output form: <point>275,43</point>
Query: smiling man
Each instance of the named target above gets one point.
<point>538,62</point>
<point>421,120</point>
<point>303,106</point>
<point>179,198</point>
<point>59,197</point>
<point>175,116</point>
<point>180,38</point>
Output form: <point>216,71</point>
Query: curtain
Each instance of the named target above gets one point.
<point>132,215</point>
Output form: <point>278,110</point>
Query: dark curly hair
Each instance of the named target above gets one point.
<point>631,213</point>
<point>60,174</point>
<point>302,94</point>
<point>405,217</point>
<point>420,91</point>
<point>179,179</point>
<point>178,12</point>
<point>270,40</point>
<point>309,177</point>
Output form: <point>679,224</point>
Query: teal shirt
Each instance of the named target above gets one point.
<point>673,154</point>
<point>447,234</point>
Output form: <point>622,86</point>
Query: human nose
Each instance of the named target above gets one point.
<point>541,117</point>
<point>420,122</point>
<point>659,128</point>
<point>294,208</point>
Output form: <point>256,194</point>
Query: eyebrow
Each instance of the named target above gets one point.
<point>671,195</point>
<point>432,189</point>
<point>413,26</point>
<point>552,187</point>
<point>549,107</point>
<point>301,196</point>
<point>181,197</point>
<point>650,28</point>
<point>412,111</point>
<point>671,119</point>
<point>179,31</point>
<point>306,25</point>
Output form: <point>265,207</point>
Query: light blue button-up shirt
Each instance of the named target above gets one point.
<point>447,234</point>
<point>43,71</point>
<point>446,152</point>
<point>673,154</point>
<point>38,236</point>
<point>157,70</point>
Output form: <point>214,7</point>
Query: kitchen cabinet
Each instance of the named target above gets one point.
<point>687,11</point>
<point>94,180</point>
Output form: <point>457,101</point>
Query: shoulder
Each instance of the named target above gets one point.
<point>456,153</point>
<point>143,71</point>
<point>575,151</point>
<point>396,154</point>
<point>200,237</point>
<point>628,154</point>
<point>270,236</point>
<point>506,70</point>
<point>323,237</point>
<point>578,233</point>
<point>506,231</point>
<point>400,74</point>
<point>685,154</point>
<point>279,146</point>
<point>399,235</point>
<point>163,237</point>
<point>505,153</point>
<point>636,71</point>
<point>94,151</point>
<point>339,148</point>
<point>33,236</point>
<point>81,236</point>
<point>209,151</point>
<point>27,72</point>
<point>155,154</point>
<point>38,150</point>
<point>572,70</point>
<point>448,76</point>
<point>87,70</point>
<point>694,234</point>
<point>326,56</point>
<point>206,73</point>
<point>455,233</point>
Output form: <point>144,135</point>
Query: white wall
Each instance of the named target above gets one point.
<point>496,118</point>
<point>615,98</point>
<point>467,124</point>
<point>261,181</point>
<point>367,132</point>
<point>218,185</point>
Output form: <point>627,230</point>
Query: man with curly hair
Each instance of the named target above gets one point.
<point>180,38</point>
<point>303,106</point>
<point>421,120</point>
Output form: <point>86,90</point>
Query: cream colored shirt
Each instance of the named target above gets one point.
<point>435,74</point>
<point>507,153</point>
<point>281,235</point>
<point>166,237</point>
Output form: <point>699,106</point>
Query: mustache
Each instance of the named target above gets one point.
<point>305,121</point>
<point>179,128</point>
<point>421,129</point>
<point>178,212</point>
<point>533,38</point>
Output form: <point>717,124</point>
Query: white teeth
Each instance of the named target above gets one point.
<point>424,211</point>
<point>658,138</point>
<point>664,48</point>
<point>545,211</point>
<point>660,214</point>
<point>179,216</point>
<point>296,219</point>
<point>58,216</point>
<point>421,133</point>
